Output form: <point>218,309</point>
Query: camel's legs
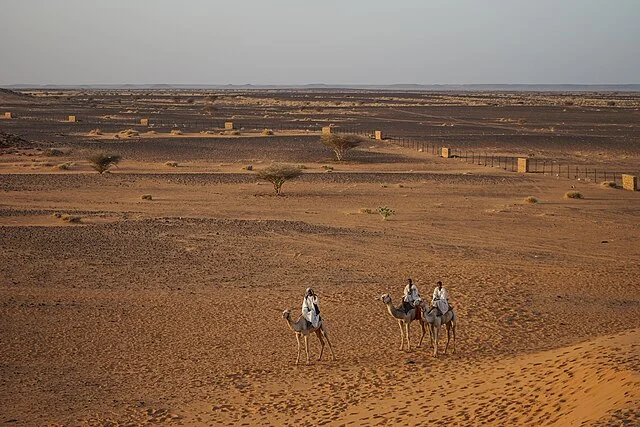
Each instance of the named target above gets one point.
<point>306,347</point>
<point>401,334</point>
<point>407,329</point>
<point>298,353</point>
<point>319,335</point>
<point>423,332</point>
<point>453,329</point>
<point>333,356</point>
<point>436,332</point>
<point>448,337</point>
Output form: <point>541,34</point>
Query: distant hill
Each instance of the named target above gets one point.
<point>12,97</point>
<point>392,87</point>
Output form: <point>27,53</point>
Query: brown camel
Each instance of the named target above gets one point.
<point>404,320</point>
<point>302,329</point>
<point>449,319</point>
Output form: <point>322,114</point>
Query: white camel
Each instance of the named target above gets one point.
<point>449,319</point>
<point>302,329</point>
<point>404,320</point>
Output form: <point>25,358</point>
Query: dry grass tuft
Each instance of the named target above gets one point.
<point>267,132</point>
<point>573,195</point>
<point>95,132</point>
<point>128,133</point>
<point>366,211</point>
<point>530,199</point>
<point>74,219</point>
<point>146,197</point>
<point>171,164</point>
<point>609,184</point>
<point>175,132</point>
<point>64,166</point>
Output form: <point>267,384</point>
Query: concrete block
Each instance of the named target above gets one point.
<point>326,130</point>
<point>446,152</point>
<point>379,135</point>
<point>144,122</point>
<point>8,115</point>
<point>523,165</point>
<point>72,119</point>
<point>630,182</point>
<point>228,126</point>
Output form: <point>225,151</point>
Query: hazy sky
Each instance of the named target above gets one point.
<point>322,41</point>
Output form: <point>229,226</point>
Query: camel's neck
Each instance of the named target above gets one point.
<point>395,312</point>
<point>293,326</point>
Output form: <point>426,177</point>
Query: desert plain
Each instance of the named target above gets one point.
<point>169,310</point>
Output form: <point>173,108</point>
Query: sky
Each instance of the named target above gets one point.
<point>290,42</point>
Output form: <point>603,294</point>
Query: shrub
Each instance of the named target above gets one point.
<point>573,195</point>
<point>95,132</point>
<point>366,210</point>
<point>53,152</point>
<point>146,197</point>
<point>278,174</point>
<point>176,132</point>
<point>75,219</point>
<point>64,166</point>
<point>341,144</point>
<point>610,184</point>
<point>267,132</point>
<point>101,162</point>
<point>248,167</point>
<point>209,110</point>
<point>386,212</point>
<point>234,132</point>
<point>530,199</point>
<point>171,164</point>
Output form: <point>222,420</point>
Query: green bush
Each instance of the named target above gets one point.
<point>277,174</point>
<point>102,162</point>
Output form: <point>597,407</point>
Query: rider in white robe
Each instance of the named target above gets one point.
<point>440,298</point>
<point>309,305</point>
<point>411,294</point>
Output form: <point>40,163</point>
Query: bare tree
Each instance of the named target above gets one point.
<point>341,144</point>
<point>278,174</point>
<point>102,162</point>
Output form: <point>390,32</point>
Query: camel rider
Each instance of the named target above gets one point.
<point>410,296</point>
<point>439,299</point>
<point>310,310</point>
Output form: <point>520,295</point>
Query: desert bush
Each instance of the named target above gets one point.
<point>366,210</point>
<point>267,132</point>
<point>327,168</point>
<point>341,144</point>
<point>56,215</point>
<point>53,152</point>
<point>146,197</point>
<point>610,184</point>
<point>128,133</point>
<point>93,132</point>
<point>209,110</point>
<point>102,162</point>
<point>611,103</point>
<point>573,195</point>
<point>175,132</point>
<point>71,218</point>
<point>190,100</point>
<point>234,132</point>
<point>248,167</point>
<point>171,164</point>
<point>530,199</point>
<point>277,174</point>
<point>64,166</point>
<point>386,212</point>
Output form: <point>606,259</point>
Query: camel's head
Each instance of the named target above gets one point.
<point>385,298</point>
<point>286,314</point>
<point>418,302</point>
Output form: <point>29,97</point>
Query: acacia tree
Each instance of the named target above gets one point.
<point>102,162</point>
<point>341,144</point>
<point>278,174</point>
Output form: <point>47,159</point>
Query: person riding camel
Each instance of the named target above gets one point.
<point>410,296</point>
<point>310,309</point>
<point>439,300</point>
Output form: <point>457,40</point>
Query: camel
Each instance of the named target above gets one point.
<point>449,319</point>
<point>302,330</point>
<point>404,320</point>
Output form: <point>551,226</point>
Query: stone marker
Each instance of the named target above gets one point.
<point>446,152</point>
<point>8,115</point>
<point>379,135</point>
<point>228,125</point>
<point>326,130</point>
<point>523,165</point>
<point>72,119</point>
<point>630,182</point>
<point>144,122</point>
